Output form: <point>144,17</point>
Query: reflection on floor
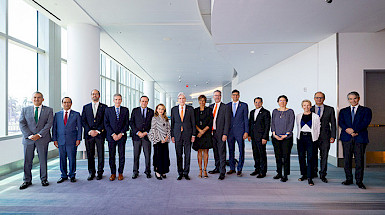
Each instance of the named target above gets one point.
<point>234,195</point>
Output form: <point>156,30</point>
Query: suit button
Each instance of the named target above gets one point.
<point>94,120</point>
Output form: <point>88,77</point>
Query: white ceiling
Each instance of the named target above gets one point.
<point>168,38</point>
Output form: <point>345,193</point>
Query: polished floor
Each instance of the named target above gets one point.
<point>234,195</point>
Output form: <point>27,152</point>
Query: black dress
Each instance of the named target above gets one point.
<point>202,119</point>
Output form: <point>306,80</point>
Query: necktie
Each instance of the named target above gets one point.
<point>215,113</point>
<point>36,114</point>
<point>353,114</point>
<point>66,118</point>
<point>143,114</point>
<point>234,108</point>
<point>94,110</point>
<point>117,113</point>
<point>181,115</point>
<point>319,111</point>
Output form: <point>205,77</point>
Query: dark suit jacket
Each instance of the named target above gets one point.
<point>188,123</point>
<point>328,122</point>
<point>90,122</point>
<point>69,133</point>
<point>223,120</point>
<point>360,125</point>
<point>240,122</point>
<point>115,126</point>
<point>259,128</point>
<point>137,123</point>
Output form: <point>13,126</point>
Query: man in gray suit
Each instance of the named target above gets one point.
<point>327,135</point>
<point>183,133</point>
<point>35,124</point>
<point>221,127</point>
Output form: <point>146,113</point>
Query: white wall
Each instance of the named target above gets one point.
<point>358,52</point>
<point>298,77</point>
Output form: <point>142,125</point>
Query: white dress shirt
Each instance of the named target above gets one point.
<point>95,106</point>
<point>216,114</point>
<point>322,109</point>
<point>256,113</point>
<point>68,113</point>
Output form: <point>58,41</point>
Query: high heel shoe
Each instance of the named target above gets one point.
<point>205,174</point>
<point>200,173</point>
<point>158,176</point>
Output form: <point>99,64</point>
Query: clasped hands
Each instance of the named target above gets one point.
<point>142,134</point>
<point>351,132</point>
<point>117,137</point>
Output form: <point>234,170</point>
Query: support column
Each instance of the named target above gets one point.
<point>83,64</point>
<point>163,98</point>
<point>168,105</point>
<point>148,90</point>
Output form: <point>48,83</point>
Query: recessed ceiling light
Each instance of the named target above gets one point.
<point>166,38</point>
<point>252,52</point>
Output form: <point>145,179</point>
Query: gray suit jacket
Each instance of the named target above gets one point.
<point>328,123</point>
<point>29,127</point>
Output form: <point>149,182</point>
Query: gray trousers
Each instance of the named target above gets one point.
<point>29,153</point>
<point>138,145</point>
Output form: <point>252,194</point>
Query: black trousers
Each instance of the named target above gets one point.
<point>183,146</point>
<point>324,146</point>
<point>358,150</point>
<point>161,158</point>
<point>112,153</point>
<point>282,151</point>
<point>219,148</point>
<point>305,148</point>
<point>90,148</point>
<point>259,155</point>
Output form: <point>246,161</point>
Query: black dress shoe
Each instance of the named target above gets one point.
<point>303,178</point>
<point>73,179</point>
<point>25,185</point>
<point>99,177</point>
<point>230,172</point>
<point>44,183</point>
<point>187,177</point>
<point>135,175</point>
<point>284,179</point>
<point>90,177</point>
<point>221,177</point>
<point>159,178</point>
<point>361,185</point>
<point>347,182</point>
<point>278,176</point>
<point>254,173</point>
<point>261,175</point>
<point>148,175</point>
<point>61,180</point>
<point>310,182</point>
<point>164,176</point>
<point>323,179</point>
<point>179,177</point>
<point>214,171</point>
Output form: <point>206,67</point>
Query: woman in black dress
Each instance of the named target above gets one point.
<point>203,141</point>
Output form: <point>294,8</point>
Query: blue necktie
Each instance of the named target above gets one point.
<point>117,113</point>
<point>353,115</point>
<point>234,108</point>
<point>319,111</point>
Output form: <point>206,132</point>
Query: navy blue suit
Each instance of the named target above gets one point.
<point>91,122</point>
<point>142,123</point>
<point>239,126</point>
<point>66,136</point>
<point>116,126</point>
<point>354,145</point>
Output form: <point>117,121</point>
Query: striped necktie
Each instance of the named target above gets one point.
<point>117,113</point>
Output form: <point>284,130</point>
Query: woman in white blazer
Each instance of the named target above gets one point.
<point>308,128</point>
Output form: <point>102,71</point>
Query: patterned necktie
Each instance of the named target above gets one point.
<point>319,111</point>
<point>234,108</point>
<point>36,114</point>
<point>66,118</point>
<point>117,113</point>
<point>353,114</point>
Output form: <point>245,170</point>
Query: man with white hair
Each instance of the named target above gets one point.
<point>183,133</point>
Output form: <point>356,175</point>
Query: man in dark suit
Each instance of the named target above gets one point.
<point>183,133</point>
<point>354,121</point>
<point>67,134</point>
<point>327,134</point>
<point>116,122</point>
<point>94,133</point>
<point>259,127</point>
<point>221,126</point>
<point>140,125</point>
<point>35,124</point>
<point>239,130</point>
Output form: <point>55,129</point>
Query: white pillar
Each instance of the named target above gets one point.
<point>163,98</point>
<point>168,104</point>
<point>149,90</point>
<point>83,62</point>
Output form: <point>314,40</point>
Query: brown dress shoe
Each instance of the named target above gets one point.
<point>112,178</point>
<point>230,172</point>
<point>120,177</point>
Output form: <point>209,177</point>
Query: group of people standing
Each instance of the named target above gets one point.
<point>201,129</point>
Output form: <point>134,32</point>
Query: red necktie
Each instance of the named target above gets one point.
<point>65,118</point>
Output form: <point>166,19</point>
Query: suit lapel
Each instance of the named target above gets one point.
<point>31,110</point>
<point>358,112</point>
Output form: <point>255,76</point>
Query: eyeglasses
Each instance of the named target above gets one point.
<point>318,97</point>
